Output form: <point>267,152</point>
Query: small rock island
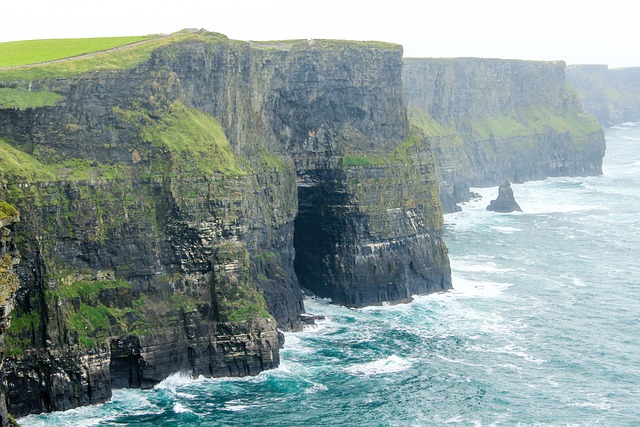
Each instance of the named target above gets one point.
<point>505,202</point>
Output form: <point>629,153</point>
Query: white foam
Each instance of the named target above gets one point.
<point>505,230</point>
<point>577,281</point>
<point>174,381</point>
<point>602,405</point>
<point>387,365</point>
<point>235,408</point>
<point>475,288</point>
<point>179,408</point>
<point>517,351</point>
<point>487,267</point>
<point>316,388</point>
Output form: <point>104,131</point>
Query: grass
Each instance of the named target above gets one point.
<point>427,124</point>
<point>109,61</point>
<point>19,334</point>
<point>19,166</point>
<point>35,51</point>
<point>23,99</point>
<point>535,120</point>
<point>196,141</point>
<point>93,321</point>
<point>7,210</point>
<point>324,44</point>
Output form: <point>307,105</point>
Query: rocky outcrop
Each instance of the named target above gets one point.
<point>164,199</point>
<point>9,283</point>
<point>611,95</point>
<point>505,202</point>
<point>490,120</point>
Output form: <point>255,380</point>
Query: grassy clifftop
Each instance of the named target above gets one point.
<point>35,51</point>
<point>85,55</point>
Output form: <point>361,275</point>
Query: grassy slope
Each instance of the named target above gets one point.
<point>109,61</point>
<point>35,51</point>
<point>516,123</point>
<point>22,98</point>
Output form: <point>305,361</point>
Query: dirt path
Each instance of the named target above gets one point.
<point>86,55</point>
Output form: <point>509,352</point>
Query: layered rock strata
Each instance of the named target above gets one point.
<point>491,120</point>
<point>165,198</point>
<point>611,95</point>
<point>9,283</point>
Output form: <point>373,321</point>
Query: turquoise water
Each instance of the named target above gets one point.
<point>541,329</point>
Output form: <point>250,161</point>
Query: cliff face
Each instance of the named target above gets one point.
<point>9,283</point>
<point>163,204</point>
<point>494,120</point>
<point>611,95</point>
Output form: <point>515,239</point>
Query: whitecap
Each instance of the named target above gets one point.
<point>488,267</point>
<point>179,408</point>
<point>234,408</point>
<point>316,388</point>
<point>577,281</point>
<point>603,405</point>
<point>174,381</point>
<point>387,365</point>
<point>505,230</point>
<point>476,288</point>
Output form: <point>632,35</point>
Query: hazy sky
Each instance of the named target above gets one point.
<point>578,32</point>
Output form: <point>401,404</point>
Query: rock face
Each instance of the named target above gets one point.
<point>9,283</point>
<point>505,202</point>
<point>490,120</point>
<point>165,199</point>
<point>611,95</point>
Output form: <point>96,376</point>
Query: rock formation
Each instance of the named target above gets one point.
<point>9,283</point>
<point>611,95</point>
<point>164,195</point>
<point>490,120</point>
<point>505,202</point>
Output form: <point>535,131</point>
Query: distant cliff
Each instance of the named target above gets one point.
<point>165,189</point>
<point>493,120</point>
<point>611,95</point>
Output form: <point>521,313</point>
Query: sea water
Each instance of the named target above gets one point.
<point>541,329</point>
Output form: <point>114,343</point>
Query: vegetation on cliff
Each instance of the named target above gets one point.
<point>35,51</point>
<point>112,60</point>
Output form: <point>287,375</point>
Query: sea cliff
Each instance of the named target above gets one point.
<point>9,283</point>
<point>611,95</point>
<point>175,196</point>
<point>492,120</point>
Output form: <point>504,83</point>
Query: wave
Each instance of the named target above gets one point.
<point>388,365</point>
<point>506,230</point>
<point>175,380</point>
<point>488,267</point>
<point>463,287</point>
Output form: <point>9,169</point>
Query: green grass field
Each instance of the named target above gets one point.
<point>36,51</point>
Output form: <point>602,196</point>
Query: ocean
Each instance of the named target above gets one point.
<point>542,329</point>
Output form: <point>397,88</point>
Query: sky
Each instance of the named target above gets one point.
<point>577,32</point>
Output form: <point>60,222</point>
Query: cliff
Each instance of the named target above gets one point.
<point>166,188</point>
<point>9,283</point>
<point>492,120</point>
<point>611,95</point>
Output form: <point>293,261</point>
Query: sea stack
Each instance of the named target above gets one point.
<point>505,202</point>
